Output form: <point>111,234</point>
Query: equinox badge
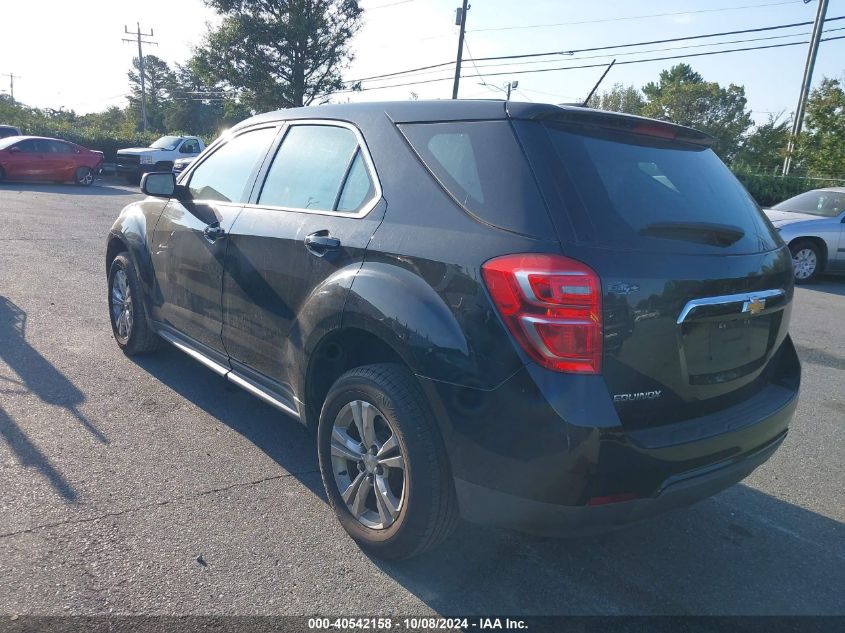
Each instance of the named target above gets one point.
<point>635,397</point>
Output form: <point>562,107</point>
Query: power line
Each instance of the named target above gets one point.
<point>631,17</point>
<point>597,48</point>
<point>140,35</point>
<point>632,61</point>
<point>649,50</point>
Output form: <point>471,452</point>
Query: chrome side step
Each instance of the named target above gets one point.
<point>229,374</point>
<point>255,390</point>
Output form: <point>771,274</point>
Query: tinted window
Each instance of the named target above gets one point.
<point>358,188</point>
<point>480,164</point>
<point>225,174</point>
<point>824,203</point>
<point>310,168</point>
<point>6,132</point>
<point>632,191</point>
<point>60,148</point>
<point>191,146</point>
<point>31,146</point>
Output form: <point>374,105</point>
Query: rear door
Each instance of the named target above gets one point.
<point>696,284</point>
<point>64,159</point>
<point>189,240</point>
<point>312,214</point>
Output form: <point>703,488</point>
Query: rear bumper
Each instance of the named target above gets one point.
<point>534,453</point>
<point>492,507</point>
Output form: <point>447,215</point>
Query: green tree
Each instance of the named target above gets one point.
<point>764,147</point>
<point>821,148</point>
<point>279,53</point>
<point>158,81</point>
<point>682,96</point>
<point>619,98</point>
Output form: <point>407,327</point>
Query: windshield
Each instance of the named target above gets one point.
<point>824,203</point>
<point>638,192</point>
<point>167,142</point>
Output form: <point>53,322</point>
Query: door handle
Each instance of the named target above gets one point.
<point>321,242</point>
<point>214,232</point>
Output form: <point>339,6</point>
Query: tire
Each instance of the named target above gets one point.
<point>130,322</point>
<point>84,177</point>
<point>133,179</point>
<point>426,512</point>
<point>806,261</point>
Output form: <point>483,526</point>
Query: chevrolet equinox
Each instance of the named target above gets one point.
<point>553,319</point>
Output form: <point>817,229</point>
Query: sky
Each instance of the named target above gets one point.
<point>79,61</point>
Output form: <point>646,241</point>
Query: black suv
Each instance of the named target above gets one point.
<point>548,318</point>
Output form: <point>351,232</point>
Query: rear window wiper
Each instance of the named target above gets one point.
<point>700,232</point>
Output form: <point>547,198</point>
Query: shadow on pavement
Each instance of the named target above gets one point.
<point>37,376</point>
<point>279,436</point>
<point>99,188</point>
<point>830,284</point>
<point>743,552</point>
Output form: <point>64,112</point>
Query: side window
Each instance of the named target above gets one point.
<point>358,188</point>
<point>318,167</point>
<point>225,174</point>
<point>29,146</point>
<point>60,148</point>
<point>190,147</point>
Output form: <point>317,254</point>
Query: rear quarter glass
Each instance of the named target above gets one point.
<point>482,167</point>
<point>635,192</point>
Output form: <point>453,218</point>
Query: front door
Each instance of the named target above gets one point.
<point>311,219</point>
<point>189,240</point>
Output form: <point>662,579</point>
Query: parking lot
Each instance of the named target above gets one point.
<point>154,486</point>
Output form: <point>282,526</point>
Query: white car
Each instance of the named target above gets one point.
<point>813,224</point>
<point>134,162</point>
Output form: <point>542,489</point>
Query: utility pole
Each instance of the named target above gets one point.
<point>140,34</point>
<point>12,78</point>
<point>798,122</point>
<point>460,20</point>
<point>511,85</point>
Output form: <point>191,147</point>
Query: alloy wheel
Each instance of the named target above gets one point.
<point>121,305</point>
<point>87,177</point>
<point>804,262</point>
<point>368,465</point>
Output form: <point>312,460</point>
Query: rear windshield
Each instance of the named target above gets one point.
<point>635,192</point>
<point>824,203</point>
<point>482,167</point>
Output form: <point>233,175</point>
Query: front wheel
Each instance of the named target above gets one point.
<point>806,261</point>
<point>130,325</point>
<point>84,177</point>
<point>383,463</point>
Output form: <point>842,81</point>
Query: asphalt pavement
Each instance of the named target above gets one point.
<point>153,486</point>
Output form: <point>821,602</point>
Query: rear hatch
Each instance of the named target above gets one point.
<point>696,284</point>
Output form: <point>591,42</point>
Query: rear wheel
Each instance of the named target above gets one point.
<point>133,179</point>
<point>806,260</point>
<point>84,176</point>
<point>383,463</point>
<point>130,324</point>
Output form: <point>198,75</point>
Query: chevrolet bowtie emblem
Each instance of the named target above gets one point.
<point>755,306</point>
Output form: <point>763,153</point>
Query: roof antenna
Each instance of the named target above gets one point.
<point>598,83</point>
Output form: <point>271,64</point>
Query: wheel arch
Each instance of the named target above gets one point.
<point>336,353</point>
<point>816,241</point>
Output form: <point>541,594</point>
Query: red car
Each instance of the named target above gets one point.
<point>38,158</point>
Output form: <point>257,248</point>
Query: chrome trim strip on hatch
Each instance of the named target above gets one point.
<point>749,301</point>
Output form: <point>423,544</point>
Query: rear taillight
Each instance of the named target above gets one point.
<point>552,306</point>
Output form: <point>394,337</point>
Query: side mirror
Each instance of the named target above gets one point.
<point>159,184</point>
